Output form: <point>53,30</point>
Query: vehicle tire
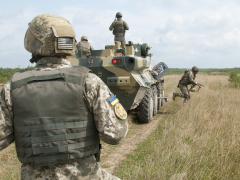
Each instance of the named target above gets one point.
<point>155,100</point>
<point>145,113</point>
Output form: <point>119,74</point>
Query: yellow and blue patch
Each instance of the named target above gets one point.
<point>113,100</point>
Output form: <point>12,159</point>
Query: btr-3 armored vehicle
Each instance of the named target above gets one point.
<point>128,74</point>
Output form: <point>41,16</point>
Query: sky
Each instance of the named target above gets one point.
<point>182,33</point>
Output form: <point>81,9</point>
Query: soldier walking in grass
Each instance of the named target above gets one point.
<point>187,79</point>
<point>119,27</point>
<point>57,114</point>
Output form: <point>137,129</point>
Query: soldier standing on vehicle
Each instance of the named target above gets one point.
<point>119,28</point>
<point>84,47</point>
<point>55,113</point>
<point>187,79</point>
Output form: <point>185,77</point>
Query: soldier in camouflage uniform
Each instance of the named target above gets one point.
<point>119,28</point>
<point>57,114</point>
<point>84,47</point>
<point>188,78</point>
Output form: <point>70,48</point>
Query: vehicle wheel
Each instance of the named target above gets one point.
<point>145,113</point>
<point>155,100</point>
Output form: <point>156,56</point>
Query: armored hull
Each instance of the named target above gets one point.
<point>128,75</point>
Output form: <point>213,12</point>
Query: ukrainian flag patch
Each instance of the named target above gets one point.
<point>113,100</point>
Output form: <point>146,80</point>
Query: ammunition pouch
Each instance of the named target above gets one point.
<point>52,122</point>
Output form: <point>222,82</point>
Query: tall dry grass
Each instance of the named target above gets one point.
<point>9,165</point>
<point>200,140</point>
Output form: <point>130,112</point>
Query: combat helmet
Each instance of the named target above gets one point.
<point>84,38</point>
<point>195,69</point>
<point>50,36</point>
<point>118,15</point>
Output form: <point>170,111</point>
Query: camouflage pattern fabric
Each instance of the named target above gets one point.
<point>87,169</point>
<point>6,126</point>
<point>184,92</point>
<point>188,78</point>
<point>84,47</point>
<point>119,27</point>
<point>42,33</point>
<point>111,129</point>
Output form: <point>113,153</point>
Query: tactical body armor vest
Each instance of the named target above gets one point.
<point>118,28</point>
<point>185,80</point>
<point>52,122</point>
<point>84,47</point>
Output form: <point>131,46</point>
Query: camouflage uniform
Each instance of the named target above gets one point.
<point>187,79</point>
<point>119,27</point>
<point>110,129</point>
<point>84,47</point>
<point>51,40</point>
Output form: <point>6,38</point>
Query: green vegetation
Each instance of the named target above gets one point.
<point>234,78</point>
<point>210,71</point>
<point>197,141</point>
<point>6,74</point>
<point>233,73</point>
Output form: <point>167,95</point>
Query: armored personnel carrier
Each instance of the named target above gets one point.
<point>129,76</point>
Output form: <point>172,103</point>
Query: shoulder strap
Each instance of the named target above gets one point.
<point>22,79</point>
<point>72,75</point>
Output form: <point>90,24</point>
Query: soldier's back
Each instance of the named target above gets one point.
<point>185,77</point>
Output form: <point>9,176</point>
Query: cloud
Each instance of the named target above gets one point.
<point>182,33</point>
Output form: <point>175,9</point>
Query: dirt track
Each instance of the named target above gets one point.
<point>112,156</point>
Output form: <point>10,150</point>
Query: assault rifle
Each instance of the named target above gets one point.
<point>199,85</point>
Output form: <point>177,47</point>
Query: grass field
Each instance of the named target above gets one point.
<point>199,140</point>
<point>9,166</point>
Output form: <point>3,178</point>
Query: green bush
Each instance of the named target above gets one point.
<point>7,73</point>
<point>234,79</point>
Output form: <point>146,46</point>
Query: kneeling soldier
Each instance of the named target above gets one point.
<point>188,78</point>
